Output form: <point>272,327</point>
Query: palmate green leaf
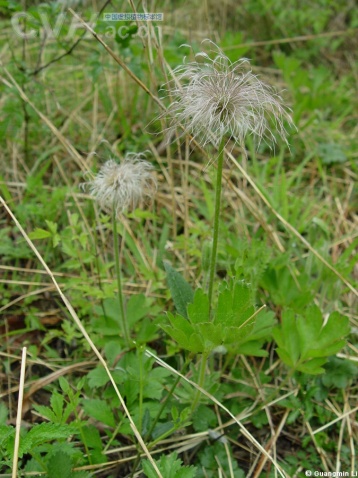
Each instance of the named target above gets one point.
<point>313,366</point>
<point>253,348</point>
<point>339,373</point>
<point>305,343</point>
<point>181,291</point>
<point>318,340</point>
<point>262,327</point>
<point>250,338</point>
<point>192,342</point>
<point>242,297</point>
<point>236,335</point>
<point>233,323</point>
<point>286,357</point>
<point>180,323</point>
<point>235,304</point>
<point>198,310</point>
<point>211,334</point>
<point>183,332</point>
<point>287,338</point>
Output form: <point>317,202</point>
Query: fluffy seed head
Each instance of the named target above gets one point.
<point>123,186</point>
<point>219,98</point>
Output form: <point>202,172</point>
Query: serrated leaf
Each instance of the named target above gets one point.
<point>59,466</point>
<point>6,431</point>
<point>234,305</point>
<point>44,433</point>
<point>204,418</point>
<point>57,401</point>
<point>45,412</point>
<point>196,344</point>
<point>170,467</point>
<point>97,377</point>
<point>321,341</point>
<point>65,386</point>
<point>39,233</point>
<point>223,311</point>
<point>92,437</point>
<point>99,410</point>
<point>181,291</point>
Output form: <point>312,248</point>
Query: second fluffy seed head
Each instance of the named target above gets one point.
<point>123,186</point>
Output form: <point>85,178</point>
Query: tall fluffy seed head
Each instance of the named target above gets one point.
<point>215,97</point>
<point>123,186</point>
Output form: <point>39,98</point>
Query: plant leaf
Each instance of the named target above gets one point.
<point>181,291</point>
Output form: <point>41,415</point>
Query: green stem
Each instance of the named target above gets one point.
<point>203,363</point>
<point>219,173</point>
<point>119,281</point>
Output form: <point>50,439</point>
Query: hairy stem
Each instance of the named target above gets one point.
<point>219,173</point>
<point>119,281</point>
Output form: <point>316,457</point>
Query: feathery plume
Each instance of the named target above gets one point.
<point>219,97</point>
<point>123,186</point>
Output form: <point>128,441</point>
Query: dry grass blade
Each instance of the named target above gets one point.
<point>24,296</point>
<point>85,334</point>
<point>329,424</point>
<point>19,413</point>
